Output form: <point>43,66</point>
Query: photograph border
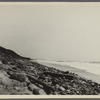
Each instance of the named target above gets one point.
<point>69,97</point>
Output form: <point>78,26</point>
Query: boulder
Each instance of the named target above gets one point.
<point>39,92</point>
<point>36,90</point>
<point>19,76</point>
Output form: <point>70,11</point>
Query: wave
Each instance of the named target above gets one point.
<point>87,66</point>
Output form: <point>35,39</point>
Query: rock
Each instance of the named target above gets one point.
<point>19,76</point>
<point>74,85</point>
<point>55,93</point>
<point>40,86</point>
<point>95,92</point>
<point>57,86</point>
<point>36,90</point>
<point>67,72</point>
<point>4,61</point>
<point>0,62</point>
<point>4,78</point>
<point>14,68</point>
<point>42,77</point>
<point>63,93</point>
<point>45,68</point>
<point>55,74</point>
<point>32,68</point>
<point>68,91</point>
<point>39,92</point>
<point>17,88</point>
<point>55,81</point>
<point>31,87</point>
<point>60,88</point>
<point>42,92</point>
<point>77,92</point>
<point>94,84</point>
<point>23,84</point>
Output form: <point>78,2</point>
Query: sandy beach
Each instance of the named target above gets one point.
<point>64,67</point>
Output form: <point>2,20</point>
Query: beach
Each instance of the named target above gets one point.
<point>25,76</point>
<point>84,69</point>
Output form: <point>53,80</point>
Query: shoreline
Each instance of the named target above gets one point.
<point>80,72</point>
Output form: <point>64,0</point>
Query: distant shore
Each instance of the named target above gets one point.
<point>82,73</point>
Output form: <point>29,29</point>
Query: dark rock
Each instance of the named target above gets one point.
<point>67,72</point>
<point>4,61</point>
<point>23,84</point>
<point>12,63</point>
<point>14,68</point>
<point>36,92</point>
<point>70,77</point>
<point>42,77</point>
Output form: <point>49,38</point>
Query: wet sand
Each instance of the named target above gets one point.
<point>82,73</point>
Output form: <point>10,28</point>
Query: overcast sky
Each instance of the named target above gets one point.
<point>55,32</point>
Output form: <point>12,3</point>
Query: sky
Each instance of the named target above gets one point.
<point>69,31</point>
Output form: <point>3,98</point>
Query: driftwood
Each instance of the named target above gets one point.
<point>70,77</point>
<point>35,80</point>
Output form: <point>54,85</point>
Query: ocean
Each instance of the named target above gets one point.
<point>88,70</point>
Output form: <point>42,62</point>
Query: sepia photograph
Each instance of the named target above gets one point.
<point>50,49</point>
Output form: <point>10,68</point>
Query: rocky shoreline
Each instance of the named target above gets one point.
<point>21,76</point>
